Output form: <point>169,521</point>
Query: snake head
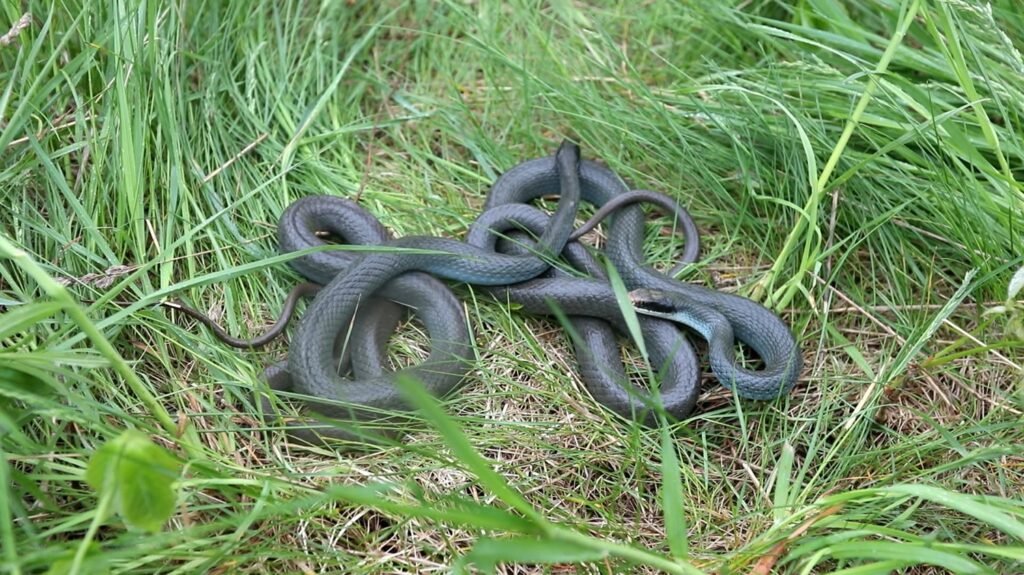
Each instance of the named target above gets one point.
<point>652,302</point>
<point>568,155</point>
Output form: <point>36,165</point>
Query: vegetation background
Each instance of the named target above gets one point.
<point>856,165</point>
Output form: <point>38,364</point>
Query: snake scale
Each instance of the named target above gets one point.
<point>337,360</point>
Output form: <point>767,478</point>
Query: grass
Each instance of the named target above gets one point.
<point>855,165</point>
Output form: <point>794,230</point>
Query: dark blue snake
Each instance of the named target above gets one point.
<point>337,360</point>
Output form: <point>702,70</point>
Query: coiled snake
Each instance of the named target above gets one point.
<point>364,295</point>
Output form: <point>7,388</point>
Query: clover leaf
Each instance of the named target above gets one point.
<point>139,477</point>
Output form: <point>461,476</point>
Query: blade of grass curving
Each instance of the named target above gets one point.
<point>487,553</point>
<point>464,450</point>
<point>61,295</point>
<point>430,409</point>
<point>914,554</point>
<point>887,567</point>
<point>1006,552</point>
<point>812,247</point>
<point>18,118</point>
<point>914,344</point>
<point>672,506</point>
<point>783,489</point>
<point>969,505</point>
<point>24,317</point>
<point>289,150</point>
<point>949,38</point>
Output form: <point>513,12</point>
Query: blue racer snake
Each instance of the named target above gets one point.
<point>361,296</point>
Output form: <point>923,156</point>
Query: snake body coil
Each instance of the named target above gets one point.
<point>347,326</point>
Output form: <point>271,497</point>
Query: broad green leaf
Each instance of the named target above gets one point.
<point>92,563</point>
<point>92,566</point>
<point>139,475</point>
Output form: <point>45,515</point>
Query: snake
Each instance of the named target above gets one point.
<point>338,365</point>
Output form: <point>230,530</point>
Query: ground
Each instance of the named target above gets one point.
<point>855,166</point>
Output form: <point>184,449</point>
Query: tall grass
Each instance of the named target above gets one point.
<point>855,165</point>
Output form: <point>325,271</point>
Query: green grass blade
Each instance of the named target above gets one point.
<point>487,553</point>
<point>464,451</point>
<point>874,568</point>
<point>462,512</point>
<point>672,505</point>
<point>904,552</point>
<point>6,520</point>
<point>783,489</point>
<point>964,504</point>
